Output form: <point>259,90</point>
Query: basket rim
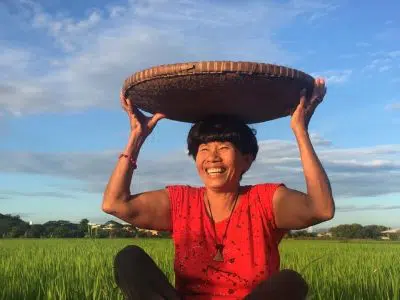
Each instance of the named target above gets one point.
<point>213,67</point>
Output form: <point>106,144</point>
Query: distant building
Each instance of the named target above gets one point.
<point>388,233</point>
<point>391,231</point>
<point>148,231</point>
<point>324,234</point>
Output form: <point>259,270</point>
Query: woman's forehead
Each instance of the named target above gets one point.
<point>216,143</point>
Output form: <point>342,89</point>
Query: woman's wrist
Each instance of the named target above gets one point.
<point>135,142</point>
<point>300,133</point>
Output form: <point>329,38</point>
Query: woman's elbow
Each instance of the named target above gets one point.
<point>108,205</point>
<point>326,214</point>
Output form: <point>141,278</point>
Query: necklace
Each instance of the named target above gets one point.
<point>220,246</point>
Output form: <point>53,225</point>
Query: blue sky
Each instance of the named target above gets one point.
<point>62,66</point>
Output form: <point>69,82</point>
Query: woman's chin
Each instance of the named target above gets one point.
<point>217,183</point>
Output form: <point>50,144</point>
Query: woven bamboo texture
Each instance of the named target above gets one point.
<point>188,92</point>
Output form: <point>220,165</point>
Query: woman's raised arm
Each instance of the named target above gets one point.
<point>145,210</point>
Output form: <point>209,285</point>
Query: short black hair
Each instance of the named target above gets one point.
<point>223,128</point>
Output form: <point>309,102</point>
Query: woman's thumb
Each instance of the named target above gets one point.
<point>158,116</point>
<point>154,120</point>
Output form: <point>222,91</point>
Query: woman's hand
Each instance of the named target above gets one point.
<point>302,115</point>
<point>140,124</point>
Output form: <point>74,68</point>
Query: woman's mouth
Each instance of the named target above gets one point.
<point>215,171</point>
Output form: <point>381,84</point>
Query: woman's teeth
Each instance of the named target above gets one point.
<point>213,171</point>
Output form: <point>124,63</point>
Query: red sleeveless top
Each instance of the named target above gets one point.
<point>250,247</point>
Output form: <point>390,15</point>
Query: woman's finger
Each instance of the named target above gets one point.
<point>130,106</point>
<point>321,90</point>
<point>303,99</point>
<point>318,93</point>
<point>158,116</point>
<point>123,102</point>
<point>299,106</point>
<point>154,120</point>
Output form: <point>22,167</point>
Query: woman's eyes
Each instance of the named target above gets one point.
<point>219,148</point>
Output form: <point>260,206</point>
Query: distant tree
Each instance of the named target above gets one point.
<point>372,231</point>
<point>35,231</point>
<point>18,231</point>
<point>394,236</point>
<point>84,226</point>
<point>11,226</point>
<point>302,233</point>
<point>357,231</point>
<point>62,228</point>
<point>61,232</point>
<point>101,233</point>
<point>164,234</point>
<point>348,231</point>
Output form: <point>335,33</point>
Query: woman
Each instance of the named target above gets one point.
<point>226,235</point>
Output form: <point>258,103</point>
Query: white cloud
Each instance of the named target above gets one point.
<point>335,76</point>
<point>390,34</point>
<point>383,61</point>
<point>394,54</point>
<point>377,64</point>
<point>393,106</point>
<point>352,208</point>
<point>318,140</point>
<point>51,194</point>
<point>315,9</point>
<point>384,68</point>
<point>348,55</point>
<point>64,29</point>
<point>363,44</point>
<point>353,172</point>
<point>14,58</point>
<point>116,11</point>
<point>110,43</point>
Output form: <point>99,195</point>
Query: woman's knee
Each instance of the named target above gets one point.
<point>130,254</point>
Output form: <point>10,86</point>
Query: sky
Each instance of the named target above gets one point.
<point>62,66</point>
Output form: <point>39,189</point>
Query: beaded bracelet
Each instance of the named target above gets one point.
<point>133,162</point>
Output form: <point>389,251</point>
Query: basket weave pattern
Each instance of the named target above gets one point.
<point>187,92</point>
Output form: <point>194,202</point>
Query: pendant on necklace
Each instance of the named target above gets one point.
<point>219,256</point>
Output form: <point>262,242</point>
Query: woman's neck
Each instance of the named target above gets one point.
<point>221,201</point>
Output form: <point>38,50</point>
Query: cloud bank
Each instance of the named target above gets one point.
<point>84,61</point>
<point>354,172</point>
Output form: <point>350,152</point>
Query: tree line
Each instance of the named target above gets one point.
<point>349,231</point>
<point>15,227</point>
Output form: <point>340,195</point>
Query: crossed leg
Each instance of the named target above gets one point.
<point>138,277</point>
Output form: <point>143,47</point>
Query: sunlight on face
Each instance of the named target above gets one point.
<point>220,165</point>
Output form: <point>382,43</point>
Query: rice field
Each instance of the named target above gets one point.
<point>82,268</point>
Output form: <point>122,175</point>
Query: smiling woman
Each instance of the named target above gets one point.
<point>229,141</point>
<point>226,235</point>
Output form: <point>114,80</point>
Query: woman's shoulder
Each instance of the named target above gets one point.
<point>264,186</point>
<point>183,187</point>
<point>182,190</point>
<point>265,189</point>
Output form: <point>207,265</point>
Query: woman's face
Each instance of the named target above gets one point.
<point>220,165</point>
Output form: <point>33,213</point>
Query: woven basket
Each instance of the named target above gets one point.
<point>188,92</point>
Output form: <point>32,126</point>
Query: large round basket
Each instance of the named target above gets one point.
<point>189,92</point>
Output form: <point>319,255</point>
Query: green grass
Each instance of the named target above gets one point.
<point>82,269</point>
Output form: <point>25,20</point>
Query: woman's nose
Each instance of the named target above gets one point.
<point>214,156</point>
